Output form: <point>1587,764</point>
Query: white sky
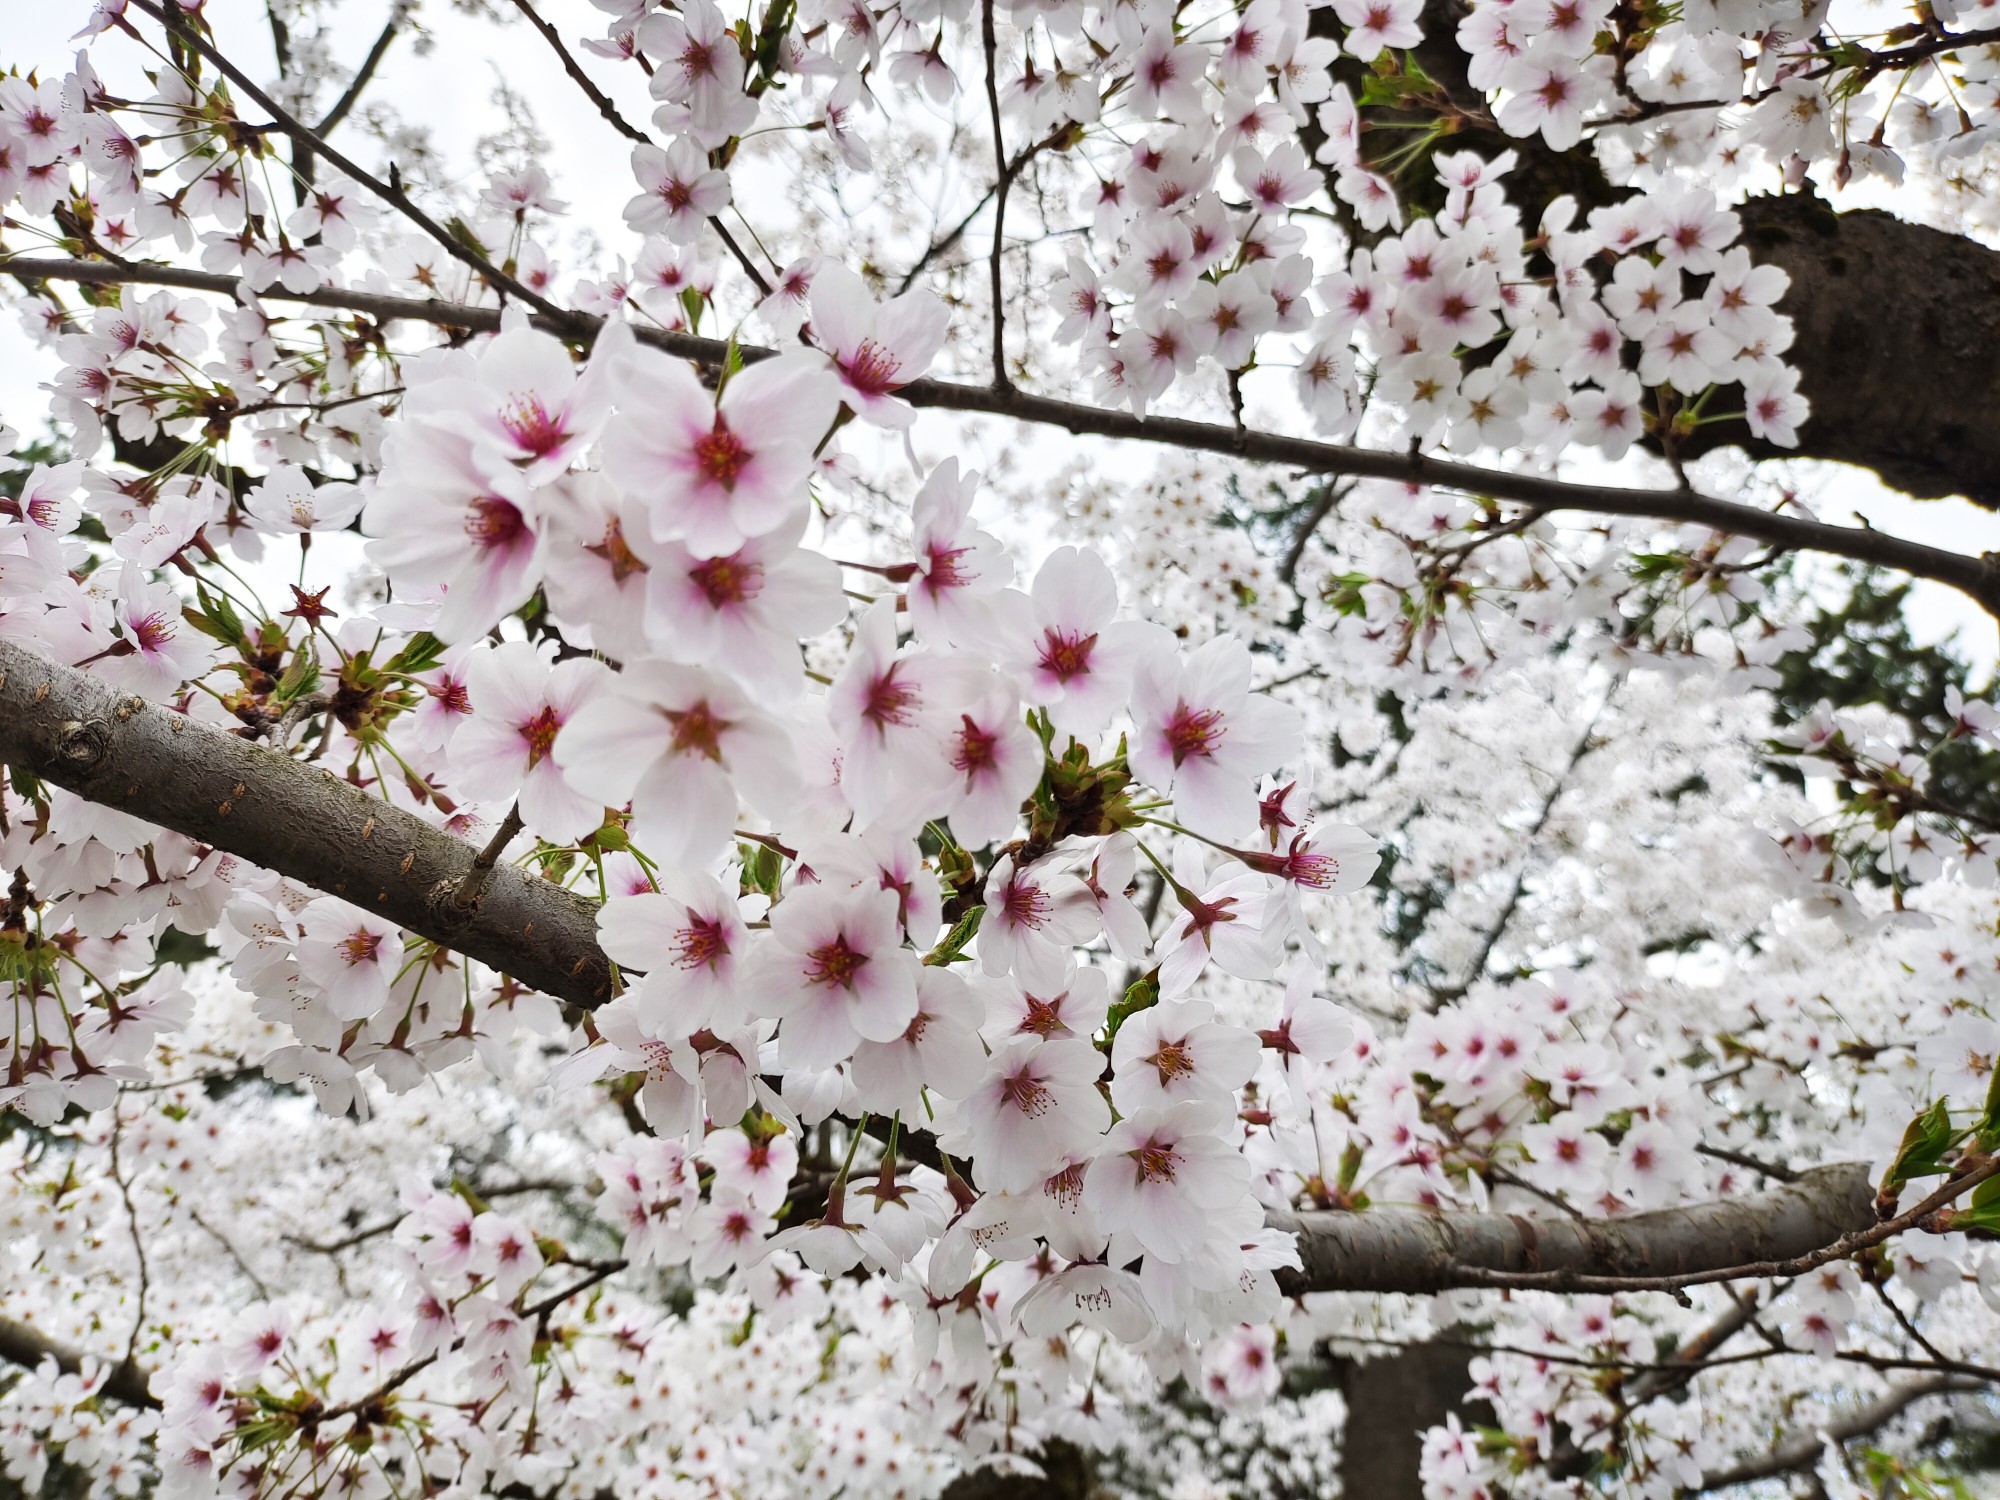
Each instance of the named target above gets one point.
<point>450,89</point>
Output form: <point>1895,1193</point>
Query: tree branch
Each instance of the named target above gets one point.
<point>78,732</point>
<point>28,1347</point>
<point>363,75</point>
<point>1976,577</point>
<point>154,763</point>
<point>390,192</point>
<point>1802,1453</point>
<point>1414,1250</point>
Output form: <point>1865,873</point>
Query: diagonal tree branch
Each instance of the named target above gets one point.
<point>363,76</point>
<point>1976,576</point>
<point>78,732</point>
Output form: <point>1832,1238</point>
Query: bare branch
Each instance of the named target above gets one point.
<point>1803,1453</point>
<point>363,75</point>
<point>1414,1250</point>
<point>302,136</point>
<point>1974,576</point>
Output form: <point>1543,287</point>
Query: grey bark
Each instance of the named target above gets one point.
<point>1413,1250</point>
<point>1895,322</point>
<point>78,732</point>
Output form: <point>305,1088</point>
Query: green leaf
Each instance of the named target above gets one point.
<point>419,654</point>
<point>1144,994</point>
<point>952,949</point>
<point>301,676</point>
<point>1925,1144</point>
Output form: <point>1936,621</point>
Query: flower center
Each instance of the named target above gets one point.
<point>529,424</point>
<point>697,730</point>
<point>614,550</point>
<point>1044,1017</point>
<point>493,523</point>
<point>700,944</point>
<point>873,369</point>
<point>1173,1061</point>
<point>1157,1162</point>
<point>540,733</point>
<point>976,749</point>
<point>720,454</point>
<point>359,947</point>
<point>1027,1093</point>
<point>890,701</point>
<point>1193,732</point>
<point>728,580</point>
<point>1065,654</point>
<point>834,964</point>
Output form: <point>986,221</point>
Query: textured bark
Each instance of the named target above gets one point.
<point>1412,1250</point>
<point>1896,328</point>
<point>1390,1403</point>
<point>28,1347</point>
<point>76,731</point>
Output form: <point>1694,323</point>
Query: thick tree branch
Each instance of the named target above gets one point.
<point>1413,1250</point>
<point>1977,577</point>
<point>78,732</point>
<point>28,1347</point>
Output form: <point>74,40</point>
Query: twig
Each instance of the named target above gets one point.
<point>363,75</point>
<point>626,128</point>
<point>1768,1169</point>
<point>472,885</point>
<point>1005,178</point>
<point>132,1219</point>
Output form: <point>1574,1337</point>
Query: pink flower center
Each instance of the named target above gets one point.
<point>152,632</point>
<point>1192,732</point>
<point>1025,903</point>
<point>720,455</point>
<point>494,524</point>
<point>873,369</point>
<point>1066,654</point>
<point>834,964</point>
<point>976,748</point>
<point>359,947</point>
<point>728,580</point>
<point>529,424</point>
<point>889,701</point>
<point>540,733</point>
<point>701,945</point>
